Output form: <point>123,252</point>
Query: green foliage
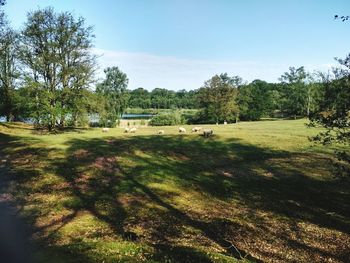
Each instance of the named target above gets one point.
<point>218,98</point>
<point>2,19</point>
<point>256,100</point>
<point>333,112</point>
<point>113,90</point>
<point>60,67</point>
<point>161,99</point>
<point>168,119</point>
<point>9,72</point>
<point>295,92</point>
<point>140,98</point>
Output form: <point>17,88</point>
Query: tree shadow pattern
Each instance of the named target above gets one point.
<point>183,196</point>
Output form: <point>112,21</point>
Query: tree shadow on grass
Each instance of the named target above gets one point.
<point>16,168</point>
<point>125,184</point>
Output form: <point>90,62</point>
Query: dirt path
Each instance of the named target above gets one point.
<point>14,235</point>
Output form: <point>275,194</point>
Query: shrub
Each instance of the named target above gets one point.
<point>174,118</point>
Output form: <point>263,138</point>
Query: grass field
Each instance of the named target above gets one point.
<point>253,192</point>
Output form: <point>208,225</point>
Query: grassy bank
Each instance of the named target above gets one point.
<point>258,191</point>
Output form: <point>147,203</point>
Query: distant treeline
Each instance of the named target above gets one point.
<point>48,74</point>
<point>230,98</point>
<point>160,98</point>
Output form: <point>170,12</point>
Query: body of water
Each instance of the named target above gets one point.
<point>128,116</point>
<point>95,117</point>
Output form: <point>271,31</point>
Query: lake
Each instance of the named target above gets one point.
<point>128,116</point>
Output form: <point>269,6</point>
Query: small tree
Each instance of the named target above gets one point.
<point>334,112</point>
<point>256,100</point>
<point>295,92</point>
<point>217,98</point>
<point>114,91</point>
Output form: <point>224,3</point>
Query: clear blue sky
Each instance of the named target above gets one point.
<point>180,44</point>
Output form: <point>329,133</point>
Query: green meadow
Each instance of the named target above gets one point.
<point>252,192</point>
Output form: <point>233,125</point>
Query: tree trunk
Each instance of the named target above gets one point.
<point>308,105</point>
<point>75,119</point>
<point>62,121</point>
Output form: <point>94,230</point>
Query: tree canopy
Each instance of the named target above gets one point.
<point>334,111</point>
<point>113,90</point>
<point>218,98</point>
<point>58,65</point>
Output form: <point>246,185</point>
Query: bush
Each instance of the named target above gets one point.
<point>167,119</point>
<point>201,117</point>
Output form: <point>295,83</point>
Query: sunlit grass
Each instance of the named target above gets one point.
<point>261,188</point>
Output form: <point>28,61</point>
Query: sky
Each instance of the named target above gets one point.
<point>179,44</point>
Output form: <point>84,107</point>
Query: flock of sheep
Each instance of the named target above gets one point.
<point>206,132</point>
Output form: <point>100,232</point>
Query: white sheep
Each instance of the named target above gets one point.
<point>160,132</point>
<point>105,129</point>
<point>126,130</point>
<point>195,129</point>
<point>225,122</point>
<point>207,132</point>
<point>182,130</point>
<point>132,130</point>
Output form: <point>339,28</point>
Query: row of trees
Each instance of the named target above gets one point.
<point>47,73</point>
<point>162,99</point>
<point>228,98</point>
<point>46,68</point>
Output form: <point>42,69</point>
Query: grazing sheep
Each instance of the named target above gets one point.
<point>195,129</point>
<point>207,133</point>
<point>182,130</point>
<point>105,129</point>
<point>126,130</point>
<point>161,132</point>
<point>225,122</point>
<point>132,130</point>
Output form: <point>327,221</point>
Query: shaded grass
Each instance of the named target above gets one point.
<point>253,191</point>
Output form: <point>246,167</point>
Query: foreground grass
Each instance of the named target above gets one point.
<point>253,192</point>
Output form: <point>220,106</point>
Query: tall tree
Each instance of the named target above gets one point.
<point>218,98</point>
<point>9,69</point>
<point>55,49</point>
<point>334,112</point>
<point>114,91</point>
<point>295,92</point>
<point>256,100</point>
<point>140,98</point>
<point>2,19</point>
<point>163,98</point>
<point>77,65</point>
